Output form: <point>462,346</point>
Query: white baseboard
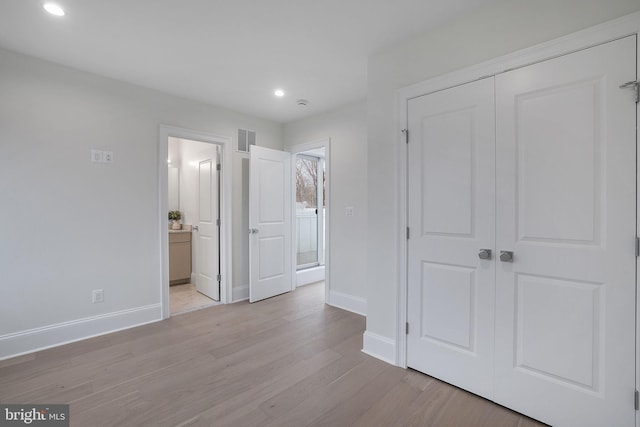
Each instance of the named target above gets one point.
<point>380,347</point>
<point>348,302</point>
<point>23,342</point>
<point>309,275</point>
<point>240,293</point>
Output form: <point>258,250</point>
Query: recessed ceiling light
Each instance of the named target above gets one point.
<point>279,93</point>
<point>53,9</point>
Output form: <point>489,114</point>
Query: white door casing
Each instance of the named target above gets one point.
<point>566,172</point>
<point>451,217</point>
<point>207,235</point>
<point>565,198</point>
<point>270,223</point>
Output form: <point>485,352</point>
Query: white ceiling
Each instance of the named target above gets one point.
<point>231,53</point>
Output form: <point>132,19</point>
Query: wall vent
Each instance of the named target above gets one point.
<point>246,138</point>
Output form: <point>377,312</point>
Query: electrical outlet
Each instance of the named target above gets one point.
<point>97,295</point>
<point>107,156</point>
<point>348,211</point>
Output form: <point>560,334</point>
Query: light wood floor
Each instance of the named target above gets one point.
<point>184,298</point>
<point>287,361</point>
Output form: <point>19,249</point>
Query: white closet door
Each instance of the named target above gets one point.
<point>451,217</point>
<point>566,173</point>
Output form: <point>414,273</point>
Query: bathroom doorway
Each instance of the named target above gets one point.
<point>194,235</point>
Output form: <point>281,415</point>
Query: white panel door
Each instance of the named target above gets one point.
<point>566,173</point>
<point>208,235</point>
<point>451,218</point>
<point>270,206</point>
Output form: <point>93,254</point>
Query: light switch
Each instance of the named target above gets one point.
<point>96,156</point>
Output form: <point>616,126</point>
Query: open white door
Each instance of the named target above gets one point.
<point>207,235</point>
<point>270,227</point>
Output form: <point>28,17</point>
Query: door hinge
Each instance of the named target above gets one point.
<point>406,135</point>
<point>408,233</point>
<point>407,328</point>
<point>219,166</point>
<point>637,246</point>
<point>636,400</point>
<point>635,86</point>
<point>219,278</point>
<point>218,222</point>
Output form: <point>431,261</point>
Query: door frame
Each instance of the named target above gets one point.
<point>608,31</point>
<point>301,148</point>
<point>166,131</point>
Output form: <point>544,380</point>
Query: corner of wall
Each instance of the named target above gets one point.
<point>380,347</point>
<point>240,293</point>
<point>348,302</point>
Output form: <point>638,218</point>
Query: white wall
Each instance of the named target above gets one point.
<point>67,225</point>
<point>487,33</point>
<point>346,127</point>
<point>191,152</point>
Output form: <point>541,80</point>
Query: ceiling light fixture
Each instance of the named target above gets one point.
<point>279,93</point>
<point>53,9</point>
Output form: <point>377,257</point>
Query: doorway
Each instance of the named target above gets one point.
<point>194,239</point>
<point>312,231</point>
<point>195,261</point>
<point>310,178</point>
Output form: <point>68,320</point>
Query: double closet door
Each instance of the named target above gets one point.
<point>521,261</point>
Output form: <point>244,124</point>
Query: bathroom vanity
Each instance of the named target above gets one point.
<point>179,256</point>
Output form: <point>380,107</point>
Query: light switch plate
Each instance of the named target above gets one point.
<point>97,295</point>
<point>96,156</point>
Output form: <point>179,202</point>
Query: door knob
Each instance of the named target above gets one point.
<point>506,256</point>
<point>484,254</point>
<point>195,227</point>
<point>253,231</point>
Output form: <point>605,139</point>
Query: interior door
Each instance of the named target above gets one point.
<point>270,232</point>
<point>451,219</point>
<point>566,173</point>
<point>208,234</point>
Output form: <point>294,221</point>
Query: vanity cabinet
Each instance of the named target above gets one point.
<point>179,257</point>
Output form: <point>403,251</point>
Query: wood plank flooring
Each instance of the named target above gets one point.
<point>286,361</point>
